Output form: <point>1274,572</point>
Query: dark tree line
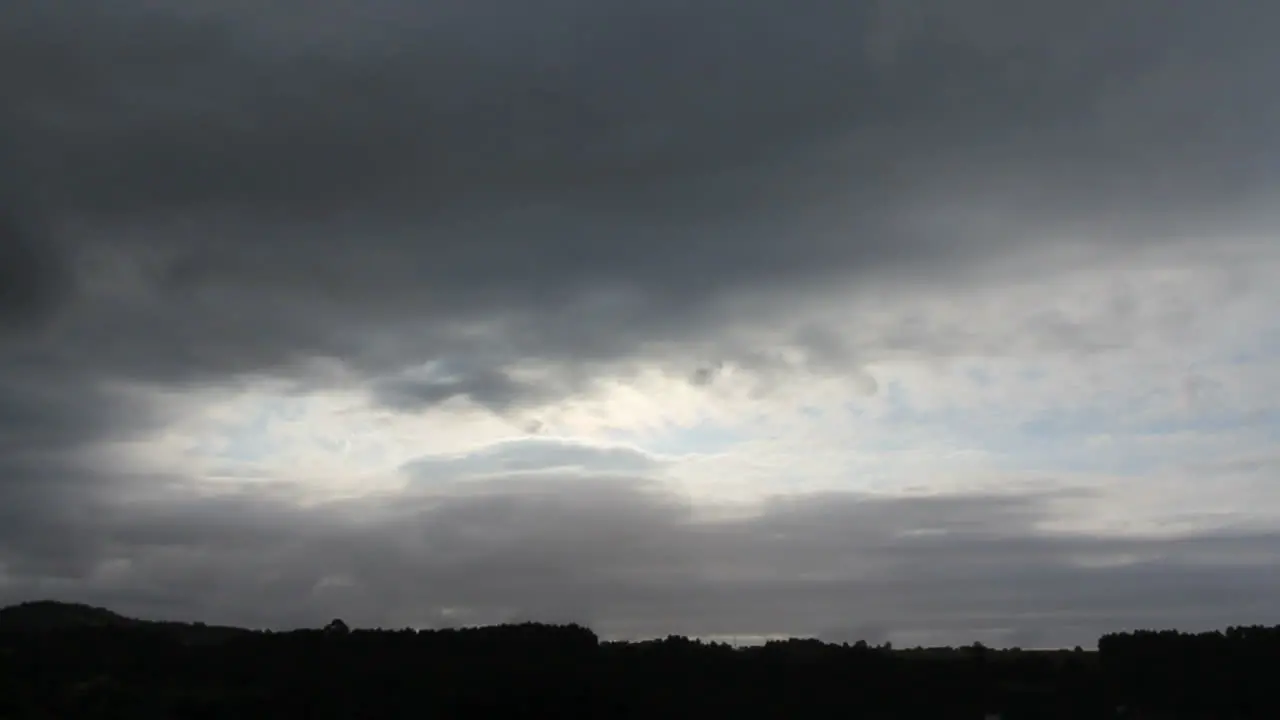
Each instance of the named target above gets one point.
<point>61,661</point>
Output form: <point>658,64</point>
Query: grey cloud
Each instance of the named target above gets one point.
<point>197,195</point>
<point>532,454</point>
<point>632,559</point>
<point>281,189</point>
<point>30,272</point>
<point>49,481</point>
<point>705,374</point>
<point>34,276</point>
<point>494,389</point>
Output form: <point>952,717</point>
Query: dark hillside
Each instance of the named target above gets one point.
<point>73,661</point>
<point>46,615</point>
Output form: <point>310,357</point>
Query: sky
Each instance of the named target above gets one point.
<point>927,321</point>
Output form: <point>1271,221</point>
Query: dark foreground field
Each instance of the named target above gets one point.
<point>72,661</point>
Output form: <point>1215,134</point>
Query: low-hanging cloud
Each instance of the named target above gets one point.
<point>631,558</point>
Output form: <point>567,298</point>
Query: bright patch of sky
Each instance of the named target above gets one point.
<point>1178,380</point>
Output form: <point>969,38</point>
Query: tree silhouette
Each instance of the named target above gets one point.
<point>65,661</point>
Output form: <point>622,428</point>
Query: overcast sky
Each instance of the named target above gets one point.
<point>923,320</point>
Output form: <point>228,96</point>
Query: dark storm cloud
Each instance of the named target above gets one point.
<point>30,274</point>
<point>228,189</point>
<point>34,276</point>
<point>247,186</point>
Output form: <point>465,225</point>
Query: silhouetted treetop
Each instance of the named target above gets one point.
<point>77,661</point>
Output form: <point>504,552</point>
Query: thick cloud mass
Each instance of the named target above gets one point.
<point>513,204</point>
<point>250,187</point>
